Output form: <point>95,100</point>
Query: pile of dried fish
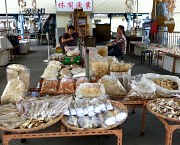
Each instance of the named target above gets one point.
<point>30,113</point>
<point>9,117</point>
<point>42,111</point>
<point>166,107</point>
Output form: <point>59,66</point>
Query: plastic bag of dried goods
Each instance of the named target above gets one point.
<point>49,87</point>
<point>67,86</point>
<point>18,71</point>
<point>14,91</point>
<point>112,86</point>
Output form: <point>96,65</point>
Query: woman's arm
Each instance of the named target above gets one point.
<point>118,39</point>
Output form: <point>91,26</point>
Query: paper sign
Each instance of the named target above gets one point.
<point>70,5</point>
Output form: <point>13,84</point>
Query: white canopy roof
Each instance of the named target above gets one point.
<point>13,7</point>
<point>99,6</point>
<point>118,6</point>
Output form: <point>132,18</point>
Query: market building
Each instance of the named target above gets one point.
<point>90,72</point>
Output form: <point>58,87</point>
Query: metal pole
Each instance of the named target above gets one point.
<point>6,14</point>
<point>87,63</point>
<point>137,14</point>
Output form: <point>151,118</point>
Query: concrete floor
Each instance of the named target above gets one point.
<point>155,131</point>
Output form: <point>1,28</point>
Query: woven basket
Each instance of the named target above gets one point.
<point>43,126</point>
<point>160,115</point>
<point>117,104</point>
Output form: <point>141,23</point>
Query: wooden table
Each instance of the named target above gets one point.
<point>136,104</point>
<point>170,128</point>
<point>64,132</point>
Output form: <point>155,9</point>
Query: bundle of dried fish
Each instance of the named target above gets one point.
<point>166,107</point>
<point>41,111</point>
<point>7,108</point>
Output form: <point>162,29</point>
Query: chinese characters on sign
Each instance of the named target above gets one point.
<point>70,5</point>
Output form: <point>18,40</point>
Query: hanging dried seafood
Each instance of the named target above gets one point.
<point>22,4</point>
<point>171,6</point>
<point>129,5</point>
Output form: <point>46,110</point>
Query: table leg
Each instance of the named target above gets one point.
<point>6,140</point>
<point>143,122</point>
<point>119,136</point>
<point>174,65</point>
<point>168,140</point>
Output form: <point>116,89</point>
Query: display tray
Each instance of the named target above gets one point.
<point>114,103</point>
<point>161,115</point>
<point>43,126</point>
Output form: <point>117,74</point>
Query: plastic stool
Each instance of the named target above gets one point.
<point>150,56</point>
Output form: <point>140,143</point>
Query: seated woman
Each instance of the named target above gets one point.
<point>69,38</point>
<point>119,44</point>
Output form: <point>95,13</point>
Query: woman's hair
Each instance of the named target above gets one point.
<point>71,27</point>
<point>122,28</point>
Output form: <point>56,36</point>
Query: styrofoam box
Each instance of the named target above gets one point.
<point>3,44</point>
<point>4,59</point>
<point>24,46</point>
<point>138,50</point>
<point>168,64</point>
<point>158,61</point>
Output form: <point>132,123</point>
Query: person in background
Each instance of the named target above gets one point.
<point>69,38</point>
<point>118,46</point>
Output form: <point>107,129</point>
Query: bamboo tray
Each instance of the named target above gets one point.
<point>43,126</point>
<point>160,115</point>
<point>114,103</point>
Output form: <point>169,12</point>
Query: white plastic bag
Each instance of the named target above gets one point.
<point>162,89</point>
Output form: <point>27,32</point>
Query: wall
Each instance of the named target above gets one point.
<point>62,20</point>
